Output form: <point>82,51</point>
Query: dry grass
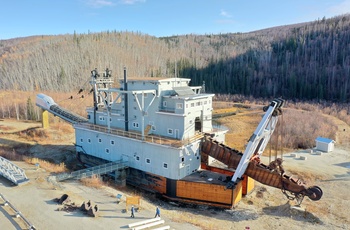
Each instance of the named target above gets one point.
<point>62,127</point>
<point>35,134</point>
<point>94,181</point>
<point>48,166</point>
<point>11,155</point>
<point>17,106</point>
<point>296,129</point>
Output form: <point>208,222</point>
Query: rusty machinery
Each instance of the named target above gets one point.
<point>248,163</point>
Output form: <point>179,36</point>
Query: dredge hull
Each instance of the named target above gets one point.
<point>205,187</point>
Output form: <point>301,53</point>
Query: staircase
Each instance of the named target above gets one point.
<point>97,170</point>
<point>12,172</point>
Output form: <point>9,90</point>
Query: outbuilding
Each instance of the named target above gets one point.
<point>324,144</point>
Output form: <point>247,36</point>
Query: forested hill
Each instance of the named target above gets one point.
<point>303,61</point>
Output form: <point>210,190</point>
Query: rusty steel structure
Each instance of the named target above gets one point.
<point>248,163</point>
<point>260,172</point>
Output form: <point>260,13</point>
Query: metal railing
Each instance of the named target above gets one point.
<point>138,136</point>
<point>12,172</point>
<point>17,213</point>
<point>96,170</point>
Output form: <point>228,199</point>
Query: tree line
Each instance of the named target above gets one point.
<point>307,61</point>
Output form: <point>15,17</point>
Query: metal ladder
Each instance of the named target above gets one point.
<point>12,172</point>
<point>96,170</point>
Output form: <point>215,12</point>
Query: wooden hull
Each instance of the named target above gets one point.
<point>194,189</point>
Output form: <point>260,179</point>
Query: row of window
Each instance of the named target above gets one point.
<point>148,161</point>
<point>180,105</point>
<point>112,142</point>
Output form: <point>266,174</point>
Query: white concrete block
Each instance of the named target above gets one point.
<point>303,158</point>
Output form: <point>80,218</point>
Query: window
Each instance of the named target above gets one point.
<point>112,142</point>
<point>135,124</point>
<point>179,105</point>
<point>107,151</point>
<point>153,128</point>
<point>89,140</point>
<point>137,158</point>
<point>164,103</point>
<point>165,165</point>
<point>81,140</point>
<point>170,131</point>
<point>148,161</point>
<point>99,140</point>
<point>88,117</point>
<point>192,104</point>
<point>205,102</point>
<point>102,118</point>
<point>198,103</point>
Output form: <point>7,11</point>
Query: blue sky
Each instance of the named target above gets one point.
<point>21,18</point>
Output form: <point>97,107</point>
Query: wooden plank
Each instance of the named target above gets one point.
<point>143,222</point>
<point>149,225</point>
<point>205,192</point>
<point>247,185</point>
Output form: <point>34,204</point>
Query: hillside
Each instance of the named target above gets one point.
<point>302,61</point>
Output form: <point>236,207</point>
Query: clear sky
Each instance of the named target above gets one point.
<point>21,18</point>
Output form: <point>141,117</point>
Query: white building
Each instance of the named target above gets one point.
<point>324,144</point>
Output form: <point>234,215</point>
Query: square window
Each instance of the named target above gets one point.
<point>165,165</point>
<point>170,131</point>
<point>179,105</point>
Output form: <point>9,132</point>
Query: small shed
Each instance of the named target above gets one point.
<point>324,144</point>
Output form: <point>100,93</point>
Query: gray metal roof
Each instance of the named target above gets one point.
<point>324,140</point>
<point>183,91</point>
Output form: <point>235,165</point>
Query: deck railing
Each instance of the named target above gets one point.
<point>138,136</point>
